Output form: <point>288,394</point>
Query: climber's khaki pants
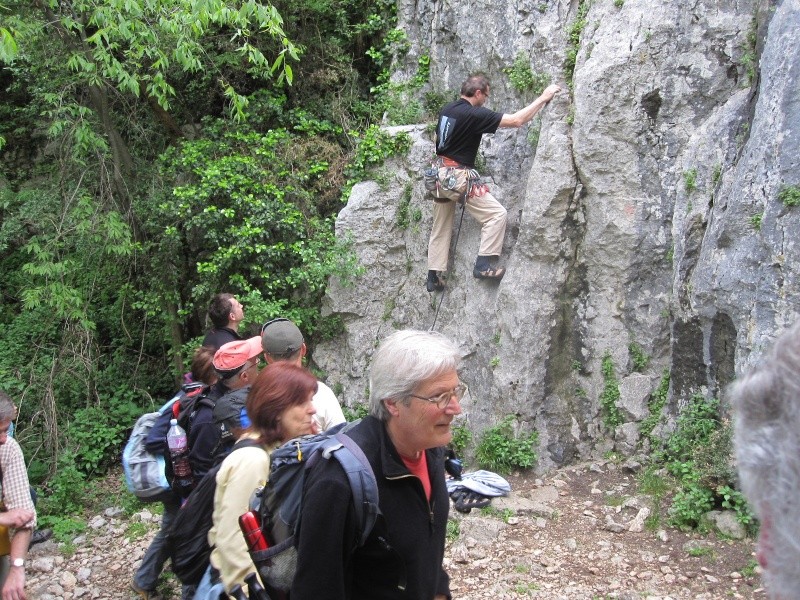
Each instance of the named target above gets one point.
<point>485,210</point>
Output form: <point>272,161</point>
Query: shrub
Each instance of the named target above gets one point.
<point>574,40</point>
<point>639,359</point>
<point>355,412</point>
<point>453,531</point>
<point>434,101</point>
<point>689,505</point>
<point>462,438</point>
<point>790,195</point>
<point>375,146</point>
<point>403,209</point>
<point>534,131</point>
<point>501,450</point>
<point>716,174</point>
<point>690,180</point>
<point>64,493</point>
<point>612,417</point>
<point>65,528</point>
<point>655,405</point>
<point>734,500</point>
<point>523,78</point>
<point>698,457</point>
<point>749,55</point>
<point>698,420</point>
<point>99,432</point>
<point>244,219</point>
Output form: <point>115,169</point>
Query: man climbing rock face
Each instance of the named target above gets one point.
<point>459,130</point>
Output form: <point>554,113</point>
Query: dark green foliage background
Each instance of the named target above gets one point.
<point>120,218</point>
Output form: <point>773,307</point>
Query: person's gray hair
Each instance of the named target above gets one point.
<point>7,408</point>
<point>403,361</point>
<point>766,403</point>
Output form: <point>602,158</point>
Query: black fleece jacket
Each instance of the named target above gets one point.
<point>402,558</point>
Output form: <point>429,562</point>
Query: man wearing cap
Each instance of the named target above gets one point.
<point>281,340</point>
<point>237,365</point>
<point>226,313</point>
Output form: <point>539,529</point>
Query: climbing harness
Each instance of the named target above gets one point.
<point>448,180</point>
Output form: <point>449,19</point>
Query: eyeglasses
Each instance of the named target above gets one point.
<point>443,399</point>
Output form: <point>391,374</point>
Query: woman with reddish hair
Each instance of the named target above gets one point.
<point>279,407</point>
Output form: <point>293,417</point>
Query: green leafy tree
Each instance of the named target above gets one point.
<point>118,56</point>
<point>155,154</point>
<point>244,219</point>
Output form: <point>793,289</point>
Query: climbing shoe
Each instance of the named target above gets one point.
<point>434,282</point>
<point>489,273</point>
<point>466,500</point>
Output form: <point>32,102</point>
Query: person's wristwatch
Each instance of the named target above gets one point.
<point>18,562</point>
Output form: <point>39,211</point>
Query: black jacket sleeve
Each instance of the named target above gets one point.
<point>203,439</point>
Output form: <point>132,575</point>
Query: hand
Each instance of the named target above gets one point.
<point>16,518</point>
<point>549,92</point>
<point>14,587</point>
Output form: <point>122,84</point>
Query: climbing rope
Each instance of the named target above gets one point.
<point>452,255</point>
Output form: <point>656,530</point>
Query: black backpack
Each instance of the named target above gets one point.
<point>187,540</point>
<point>280,503</point>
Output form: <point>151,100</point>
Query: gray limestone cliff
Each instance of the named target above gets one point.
<point>645,220</point>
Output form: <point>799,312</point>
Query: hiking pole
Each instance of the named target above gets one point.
<point>255,590</point>
<point>455,245</point>
<point>238,593</point>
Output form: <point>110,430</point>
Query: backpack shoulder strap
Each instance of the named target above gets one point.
<point>245,443</point>
<point>363,485</point>
<point>205,400</point>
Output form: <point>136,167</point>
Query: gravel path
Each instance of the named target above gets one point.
<point>576,534</point>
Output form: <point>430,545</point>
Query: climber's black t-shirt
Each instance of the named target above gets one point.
<point>459,131</point>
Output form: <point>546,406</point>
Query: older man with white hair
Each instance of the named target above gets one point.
<point>766,402</point>
<point>414,396</point>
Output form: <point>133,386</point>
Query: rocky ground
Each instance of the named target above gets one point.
<point>578,533</point>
